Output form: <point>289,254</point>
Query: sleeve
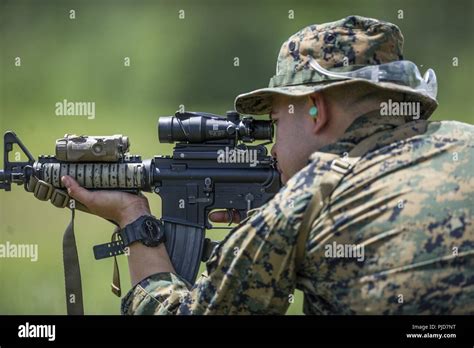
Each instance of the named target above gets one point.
<point>250,272</point>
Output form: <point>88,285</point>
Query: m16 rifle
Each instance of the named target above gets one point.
<point>211,167</point>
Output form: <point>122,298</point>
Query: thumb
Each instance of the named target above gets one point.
<point>76,191</point>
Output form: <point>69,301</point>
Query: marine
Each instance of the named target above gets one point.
<point>400,189</point>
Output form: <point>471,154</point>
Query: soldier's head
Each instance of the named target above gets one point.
<point>328,75</point>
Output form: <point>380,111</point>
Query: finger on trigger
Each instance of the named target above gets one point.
<point>223,216</point>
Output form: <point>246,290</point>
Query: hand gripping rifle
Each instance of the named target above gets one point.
<point>211,168</point>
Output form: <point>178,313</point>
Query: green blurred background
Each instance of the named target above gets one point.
<point>174,61</point>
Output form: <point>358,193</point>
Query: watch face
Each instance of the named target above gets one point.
<point>152,233</point>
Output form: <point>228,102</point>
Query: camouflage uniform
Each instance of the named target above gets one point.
<point>408,203</point>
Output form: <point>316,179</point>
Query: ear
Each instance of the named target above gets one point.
<point>321,120</point>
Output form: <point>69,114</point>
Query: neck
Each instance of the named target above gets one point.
<point>360,127</point>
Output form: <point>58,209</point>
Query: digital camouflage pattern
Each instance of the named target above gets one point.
<point>409,203</point>
<point>347,44</point>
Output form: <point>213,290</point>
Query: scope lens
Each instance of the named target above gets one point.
<point>165,130</point>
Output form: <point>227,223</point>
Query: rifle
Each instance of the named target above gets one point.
<point>211,167</point>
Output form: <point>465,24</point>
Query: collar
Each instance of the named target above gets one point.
<point>362,127</point>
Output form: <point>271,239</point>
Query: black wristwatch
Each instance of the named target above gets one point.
<point>146,229</point>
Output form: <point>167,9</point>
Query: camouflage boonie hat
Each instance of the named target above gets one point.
<point>346,45</point>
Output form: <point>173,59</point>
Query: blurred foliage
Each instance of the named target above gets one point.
<point>174,61</point>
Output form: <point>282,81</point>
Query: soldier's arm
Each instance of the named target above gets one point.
<point>124,208</point>
<point>250,272</point>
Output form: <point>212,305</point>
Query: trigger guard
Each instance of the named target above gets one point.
<point>230,214</point>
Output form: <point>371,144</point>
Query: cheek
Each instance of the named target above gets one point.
<point>293,142</point>
<point>286,142</point>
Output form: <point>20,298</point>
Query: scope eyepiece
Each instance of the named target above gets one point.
<point>200,127</point>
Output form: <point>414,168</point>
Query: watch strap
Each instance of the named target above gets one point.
<point>130,234</point>
<point>102,251</point>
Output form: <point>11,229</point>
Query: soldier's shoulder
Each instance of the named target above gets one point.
<point>451,130</point>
